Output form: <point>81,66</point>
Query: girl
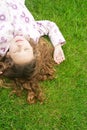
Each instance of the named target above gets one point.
<point>24,61</point>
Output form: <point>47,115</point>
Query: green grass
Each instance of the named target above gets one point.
<point>65,107</point>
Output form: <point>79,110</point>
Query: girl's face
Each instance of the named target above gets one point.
<point>20,50</point>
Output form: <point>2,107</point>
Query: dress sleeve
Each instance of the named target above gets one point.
<point>49,28</point>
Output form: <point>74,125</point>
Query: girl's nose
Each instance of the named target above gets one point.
<point>20,47</point>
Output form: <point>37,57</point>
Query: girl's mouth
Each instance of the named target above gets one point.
<point>19,40</point>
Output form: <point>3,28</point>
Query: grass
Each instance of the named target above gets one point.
<point>65,107</point>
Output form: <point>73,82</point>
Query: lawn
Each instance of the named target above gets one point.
<point>65,107</point>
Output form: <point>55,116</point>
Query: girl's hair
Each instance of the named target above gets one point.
<point>28,75</point>
<point>12,70</point>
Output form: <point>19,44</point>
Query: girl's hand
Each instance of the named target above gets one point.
<point>58,54</point>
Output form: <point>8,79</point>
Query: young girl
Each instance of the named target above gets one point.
<point>23,61</point>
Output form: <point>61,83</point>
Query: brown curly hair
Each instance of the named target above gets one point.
<point>28,76</point>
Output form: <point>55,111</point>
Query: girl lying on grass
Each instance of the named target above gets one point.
<point>21,59</point>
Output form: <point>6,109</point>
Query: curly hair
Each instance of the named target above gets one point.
<point>28,76</point>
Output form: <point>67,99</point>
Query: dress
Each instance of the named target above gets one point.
<point>16,19</point>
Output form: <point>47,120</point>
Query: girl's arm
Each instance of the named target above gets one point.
<point>49,28</point>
